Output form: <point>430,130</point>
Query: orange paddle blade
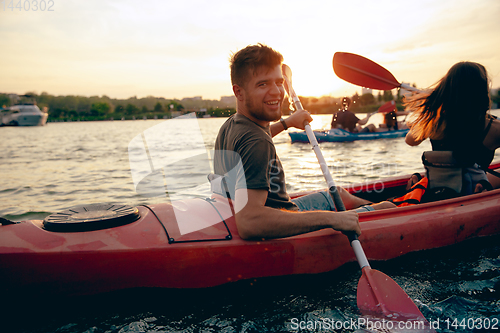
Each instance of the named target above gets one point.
<point>378,294</point>
<point>387,107</point>
<point>363,72</point>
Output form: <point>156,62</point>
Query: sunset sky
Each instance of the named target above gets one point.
<point>177,49</point>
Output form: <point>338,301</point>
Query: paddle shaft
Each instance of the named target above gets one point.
<point>379,292</point>
<point>410,88</point>
<point>339,205</point>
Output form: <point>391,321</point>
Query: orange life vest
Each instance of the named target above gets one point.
<point>414,195</point>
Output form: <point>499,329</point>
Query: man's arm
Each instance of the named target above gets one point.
<point>365,119</point>
<point>254,220</point>
<point>403,113</point>
<point>295,120</point>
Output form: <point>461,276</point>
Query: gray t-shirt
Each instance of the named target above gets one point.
<point>261,165</point>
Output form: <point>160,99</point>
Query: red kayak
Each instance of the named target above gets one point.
<point>100,248</point>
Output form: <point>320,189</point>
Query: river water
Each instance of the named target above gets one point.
<point>48,169</point>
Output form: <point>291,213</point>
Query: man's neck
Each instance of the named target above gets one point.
<point>242,111</point>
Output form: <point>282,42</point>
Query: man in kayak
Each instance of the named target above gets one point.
<point>346,119</point>
<point>390,123</point>
<point>262,206</point>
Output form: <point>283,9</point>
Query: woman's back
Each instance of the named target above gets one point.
<point>454,116</point>
<point>480,150</point>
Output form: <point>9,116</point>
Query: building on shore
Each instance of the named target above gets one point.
<point>228,101</point>
<point>365,91</point>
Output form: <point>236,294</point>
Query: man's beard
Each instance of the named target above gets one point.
<point>260,114</point>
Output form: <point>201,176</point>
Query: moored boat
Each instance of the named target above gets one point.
<point>194,243</point>
<point>340,135</point>
<point>23,115</point>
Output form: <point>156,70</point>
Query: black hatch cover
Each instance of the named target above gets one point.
<point>91,217</point>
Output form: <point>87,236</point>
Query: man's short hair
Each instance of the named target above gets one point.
<point>346,101</point>
<point>250,59</point>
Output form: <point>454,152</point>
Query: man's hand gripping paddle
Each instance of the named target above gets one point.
<point>377,293</point>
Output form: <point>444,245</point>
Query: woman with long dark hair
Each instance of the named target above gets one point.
<point>454,116</point>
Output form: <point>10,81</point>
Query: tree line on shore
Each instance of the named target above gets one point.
<point>74,108</point>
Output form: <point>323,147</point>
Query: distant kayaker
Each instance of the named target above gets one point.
<point>346,119</point>
<point>390,123</point>
<point>263,208</point>
<point>454,116</point>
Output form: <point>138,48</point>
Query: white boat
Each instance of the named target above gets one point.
<point>23,115</point>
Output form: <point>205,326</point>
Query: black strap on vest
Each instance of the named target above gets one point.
<point>487,129</point>
<point>493,172</point>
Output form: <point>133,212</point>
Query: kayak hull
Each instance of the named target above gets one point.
<point>153,251</point>
<point>340,135</point>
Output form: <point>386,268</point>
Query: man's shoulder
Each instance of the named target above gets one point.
<point>240,127</point>
<point>236,120</point>
<point>352,114</point>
